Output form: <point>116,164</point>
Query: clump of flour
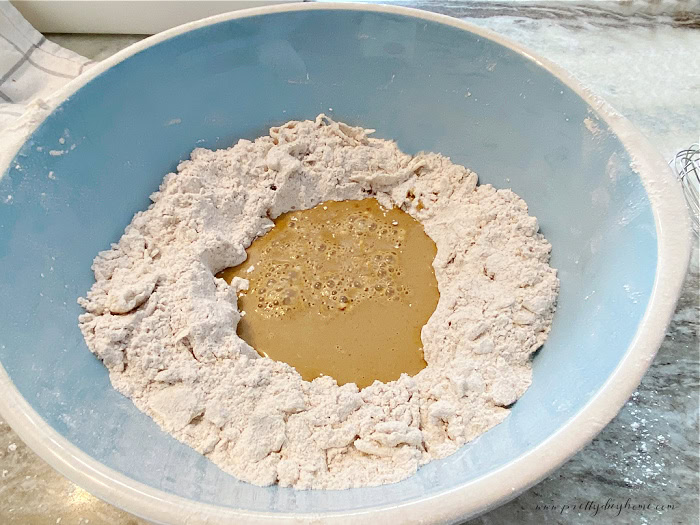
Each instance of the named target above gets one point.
<point>165,327</point>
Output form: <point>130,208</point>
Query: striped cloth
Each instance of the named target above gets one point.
<point>31,67</point>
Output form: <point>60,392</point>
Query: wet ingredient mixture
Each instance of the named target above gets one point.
<point>357,277</point>
<point>166,327</point>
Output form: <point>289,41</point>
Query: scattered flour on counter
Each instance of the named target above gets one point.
<point>165,327</point>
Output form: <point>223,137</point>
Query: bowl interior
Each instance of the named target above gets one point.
<point>426,85</point>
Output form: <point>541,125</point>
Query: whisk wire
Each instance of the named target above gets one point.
<point>686,165</point>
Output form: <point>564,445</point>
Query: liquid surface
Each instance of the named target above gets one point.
<point>342,290</point>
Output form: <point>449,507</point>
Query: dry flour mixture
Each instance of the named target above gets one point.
<point>165,327</point>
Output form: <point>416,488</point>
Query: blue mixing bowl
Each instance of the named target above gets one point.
<point>604,199</point>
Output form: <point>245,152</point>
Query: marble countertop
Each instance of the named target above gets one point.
<point>643,58</point>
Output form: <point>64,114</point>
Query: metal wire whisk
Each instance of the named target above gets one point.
<point>686,165</point>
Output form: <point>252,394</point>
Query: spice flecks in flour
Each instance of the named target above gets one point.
<point>165,327</point>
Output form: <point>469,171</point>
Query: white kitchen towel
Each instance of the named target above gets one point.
<point>31,66</point>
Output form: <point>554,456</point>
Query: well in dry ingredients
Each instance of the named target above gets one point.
<point>342,290</point>
<point>165,326</point>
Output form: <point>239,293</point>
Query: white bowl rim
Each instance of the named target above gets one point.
<point>495,488</point>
